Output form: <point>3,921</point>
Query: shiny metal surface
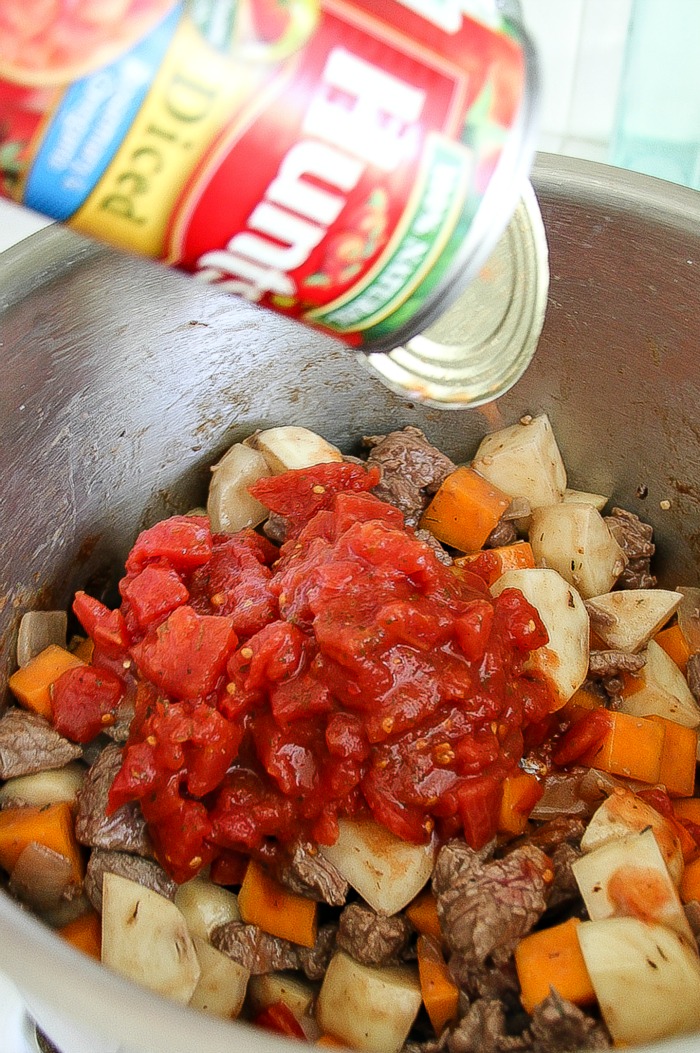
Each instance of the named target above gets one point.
<point>122,383</point>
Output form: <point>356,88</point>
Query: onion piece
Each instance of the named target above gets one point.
<point>562,797</point>
<point>41,877</point>
<point>37,630</point>
<point>689,617</point>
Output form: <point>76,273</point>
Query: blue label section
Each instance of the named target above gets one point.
<point>90,124</point>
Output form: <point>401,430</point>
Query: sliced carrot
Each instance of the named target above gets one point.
<point>579,704</point>
<point>631,747</point>
<point>439,991</point>
<point>690,882</point>
<point>465,510</point>
<point>264,902</point>
<point>423,916</point>
<point>675,645</point>
<point>689,808</point>
<point>678,758</point>
<point>31,685</point>
<point>552,958</point>
<point>50,825</point>
<point>85,933</point>
<point>329,1040</point>
<point>521,792</point>
<point>490,563</point>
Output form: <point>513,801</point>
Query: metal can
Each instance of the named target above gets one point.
<point>348,163</point>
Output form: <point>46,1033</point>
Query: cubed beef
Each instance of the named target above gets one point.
<point>313,876</point>
<point>28,744</point>
<point>123,831</point>
<point>143,871</point>
<point>412,469</point>
<point>370,938</point>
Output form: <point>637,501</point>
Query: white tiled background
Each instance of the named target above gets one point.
<point>581,44</point>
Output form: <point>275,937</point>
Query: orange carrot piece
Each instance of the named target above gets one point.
<point>423,916</point>
<point>552,958</point>
<point>675,645</point>
<point>521,792</point>
<point>439,991</point>
<point>490,563</point>
<point>263,901</point>
<point>31,685</point>
<point>465,510</point>
<point>50,825</point>
<point>85,933</point>
<point>580,703</point>
<point>678,758</point>
<point>690,882</point>
<point>83,649</point>
<point>688,808</point>
<point>329,1040</point>
<point>632,747</point>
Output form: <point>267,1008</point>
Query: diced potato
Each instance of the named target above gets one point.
<point>582,497</point>
<point>629,878</point>
<point>564,660</point>
<point>386,871</point>
<point>574,540</point>
<point>222,984</point>
<point>268,988</point>
<point>229,506</point>
<point>205,905</point>
<point>646,979</point>
<point>145,937</point>
<point>44,787</point>
<point>288,448</point>
<point>37,630</point>
<point>368,1008</point>
<point>524,461</point>
<point>622,814</point>
<point>660,688</point>
<point>627,619</point>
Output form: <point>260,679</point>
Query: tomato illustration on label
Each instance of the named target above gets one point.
<point>347,251</point>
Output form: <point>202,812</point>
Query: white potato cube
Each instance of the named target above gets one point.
<point>663,691</point>
<point>229,506</point>
<point>368,1008</point>
<point>582,497</point>
<point>222,984</point>
<point>288,988</point>
<point>564,660</point>
<point>629,878</point>
<point>145,937</point>
<point>626,620</point>
<point>524,460</point>
<point>386,871</point>
<point>288,448</point>
<point>622,814</point>
<point>205,905</point>
<point>646,979</point>
<point>574,540</point>
<point>44,787</point>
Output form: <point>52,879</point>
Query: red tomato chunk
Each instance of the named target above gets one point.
<point>349,673</point>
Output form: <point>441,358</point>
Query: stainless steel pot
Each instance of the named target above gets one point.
<point>122,383</point>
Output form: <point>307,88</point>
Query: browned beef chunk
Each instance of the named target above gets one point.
<point>29,744</point>
<point>485,908</point>
<point>564,888</point>
<point>693,675</point>
<point>411,469</point>
<point>609,663</point>
<point>483,1029</point>
<point>313,876</point>
<point>275,528</point>
<point>504,533</point>
<point>261,953</point>
<point>434,544</point>
<point>635,538</point>
<point>144,871</point>
<point>557,1025</point>
<point>119,731</point>
<point>124,830</point>
<point>555,832</point>
<point>370,938</point>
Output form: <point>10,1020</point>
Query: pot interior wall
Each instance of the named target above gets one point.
<point>123,383</point>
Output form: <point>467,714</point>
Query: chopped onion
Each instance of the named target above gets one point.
<point>37,630</point>
<point>689,617</point>
<point>41,877</point>
<point>562,797</point>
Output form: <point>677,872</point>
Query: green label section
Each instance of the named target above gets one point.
<point>437,208</point>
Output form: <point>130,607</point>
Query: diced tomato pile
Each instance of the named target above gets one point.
<point>275,690</point>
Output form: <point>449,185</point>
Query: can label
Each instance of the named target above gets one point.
<point>324,158</point>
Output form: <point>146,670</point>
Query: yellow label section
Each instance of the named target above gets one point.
<point>196,93</point>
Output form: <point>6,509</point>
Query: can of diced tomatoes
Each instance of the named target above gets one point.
<point>349,163</point>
